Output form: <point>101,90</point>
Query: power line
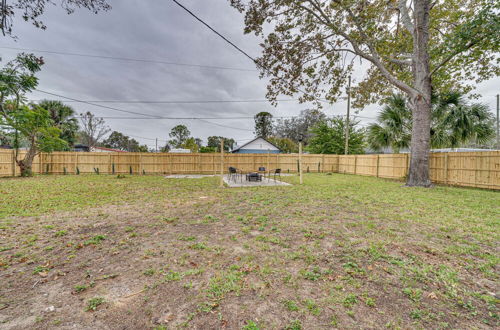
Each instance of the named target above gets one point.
<point>129,59</point>
<point>175,102</point>
<point>94,104</point>
<point>219,118</point>
<point>233,45</point>
<point>214,31</point>
<point>190,118</point>
<point>147,116</point>
<point>230,127</point>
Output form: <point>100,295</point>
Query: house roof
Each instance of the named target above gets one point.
<point>109,149</point>
<point>259,137</point>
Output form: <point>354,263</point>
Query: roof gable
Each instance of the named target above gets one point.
<point>258,143</point>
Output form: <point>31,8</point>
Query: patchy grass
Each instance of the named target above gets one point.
<point>339,251</point>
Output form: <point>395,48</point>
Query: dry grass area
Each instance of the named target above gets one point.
<point>341,251</point>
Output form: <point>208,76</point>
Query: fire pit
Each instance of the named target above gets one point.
<point>253,177</point>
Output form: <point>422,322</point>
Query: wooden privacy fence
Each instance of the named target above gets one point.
<point>473,169</point>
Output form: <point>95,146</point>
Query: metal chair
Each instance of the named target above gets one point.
<point>233,173</point>
<point>276,172</point>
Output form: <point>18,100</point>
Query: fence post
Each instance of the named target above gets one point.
<point>323,162</point>
<point>40,163</point>
<point>355,163</point>
<point>221,162</point>
<point>77,164</point>
<point>446,168</point>
<point>14,164</point>
<point>141,167</point>
<point>407,165</point>
<point>378,165</point>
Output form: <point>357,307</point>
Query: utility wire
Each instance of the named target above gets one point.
<point>129,59</point>
<point>214,31</point>
<point>235,128</point>
<point>175,102</point>
<point>94,104</point>
<point>232,44</point>
<point>146,116</point>
<point>217,118</point>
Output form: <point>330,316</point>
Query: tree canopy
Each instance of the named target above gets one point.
<point>32,122</point>
<point>179,134</point>
<point>286,145</point>
<point>93,129</point>
<point>263,124</point>
<point>120,141</point>
<point>314,45</point>
<point>214,143</point>
<point>328,137</point>
<point>297,128</point>
<point>63,117</point>
<point>32,10</point>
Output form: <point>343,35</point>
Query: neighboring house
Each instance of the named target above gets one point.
<point>102,149</point>
<point>81,148</point>
<point>84,148</point>
<point>180,151</point>
<point>257,146</point>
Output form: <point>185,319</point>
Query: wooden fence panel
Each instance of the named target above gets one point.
<point>472,169</point>
<point>393,166</point>
<point>6,159</point>
<point>366,165</point>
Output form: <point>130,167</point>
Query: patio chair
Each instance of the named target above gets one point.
<point>234,173</point>
<point>275,172</point>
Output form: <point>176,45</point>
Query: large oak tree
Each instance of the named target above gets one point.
<point>311,47</point>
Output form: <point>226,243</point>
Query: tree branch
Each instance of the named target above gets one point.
<point>405,17</point>
<point>452,55</point>
<point>398,61</point>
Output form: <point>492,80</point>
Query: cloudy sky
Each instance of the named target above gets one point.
<point>161,31</point>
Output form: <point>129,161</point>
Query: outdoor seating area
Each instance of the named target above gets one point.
<point>260,177</point>
<point>237,175</point>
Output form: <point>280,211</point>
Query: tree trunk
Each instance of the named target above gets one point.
<point>421,100</point>
<point>26,164</point>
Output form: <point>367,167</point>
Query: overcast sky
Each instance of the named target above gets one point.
<point>161,31</point>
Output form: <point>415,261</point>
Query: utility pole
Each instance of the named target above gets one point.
<point>498,121</point>
<point>156,145</point>
<point>346,150</point>
<point>221,162</point>
<point>300,162</point>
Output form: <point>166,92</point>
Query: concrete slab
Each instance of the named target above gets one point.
<point>243,183</point>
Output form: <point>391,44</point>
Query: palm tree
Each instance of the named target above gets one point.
<point>394,129</point>
<point>63,117</point>
<point>454,122</point>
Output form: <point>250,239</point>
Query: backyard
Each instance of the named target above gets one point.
<point>340,251</point>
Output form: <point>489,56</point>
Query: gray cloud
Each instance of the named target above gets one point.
<point>162,31</point>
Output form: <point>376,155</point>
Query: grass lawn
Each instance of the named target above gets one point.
<point>341,251</point>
